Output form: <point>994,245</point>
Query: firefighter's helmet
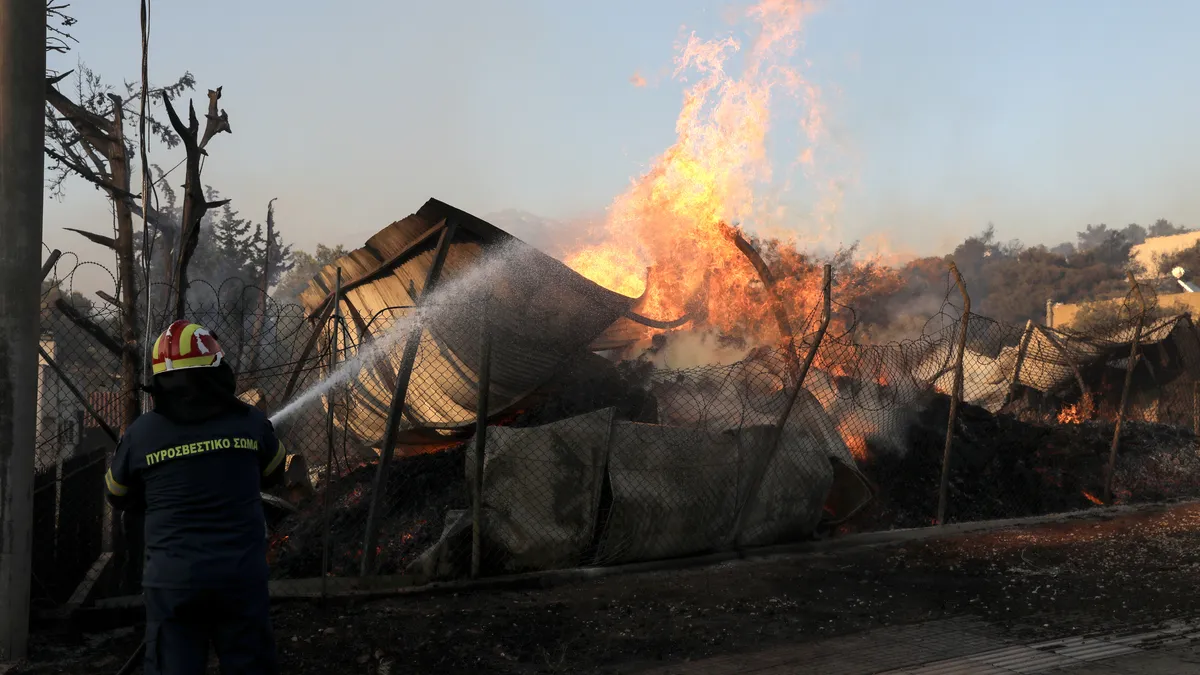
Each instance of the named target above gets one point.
<point>185,345</point>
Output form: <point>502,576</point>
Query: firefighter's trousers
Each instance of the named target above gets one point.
<point>181,625</point>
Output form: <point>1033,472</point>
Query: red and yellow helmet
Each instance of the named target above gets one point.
<point>185,345</point>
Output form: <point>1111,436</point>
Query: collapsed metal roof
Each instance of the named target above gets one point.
<point>543,315</point>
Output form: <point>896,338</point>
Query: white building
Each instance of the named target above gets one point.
<point>59,414</point>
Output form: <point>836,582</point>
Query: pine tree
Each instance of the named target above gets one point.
<point>281,258</point>
<point>232,246</point>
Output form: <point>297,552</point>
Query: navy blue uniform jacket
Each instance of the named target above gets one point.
<point>199,486</point>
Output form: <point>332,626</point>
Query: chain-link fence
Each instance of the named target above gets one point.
<point>82,548</point>
<point>613,460</point>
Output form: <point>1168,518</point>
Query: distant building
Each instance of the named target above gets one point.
<point>1148,253</point>
<point>59,413</point>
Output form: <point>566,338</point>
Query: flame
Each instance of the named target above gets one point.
<point>1069,415</point>
<point>857,445</point>
<point>1076,413</point>
<point>675,217</point>
<point>1092,498</point>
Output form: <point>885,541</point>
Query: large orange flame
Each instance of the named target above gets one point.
<point>674,217</point>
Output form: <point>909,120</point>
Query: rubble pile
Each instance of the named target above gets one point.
<point>422,489</point>
<point>1002,467</point>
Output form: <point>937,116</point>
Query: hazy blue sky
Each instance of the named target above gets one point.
<point>1038,115</point>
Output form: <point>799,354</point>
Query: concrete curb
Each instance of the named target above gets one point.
<point>377,587</point>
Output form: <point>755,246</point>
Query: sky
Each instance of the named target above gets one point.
<point>944,115</point>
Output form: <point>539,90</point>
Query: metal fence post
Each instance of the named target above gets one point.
<point>1129,368</point>
<point>955,396</point>
<point>392,426</point>
<point>777,432</point>
<point>481,416</point>
<point>329,399</point>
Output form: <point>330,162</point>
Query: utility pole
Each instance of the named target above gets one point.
<point>22,114</point>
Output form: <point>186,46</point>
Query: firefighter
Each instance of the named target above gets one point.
<point>195,466</point>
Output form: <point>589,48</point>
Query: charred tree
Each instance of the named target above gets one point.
<point>260,318</point>
<point>194,202</point>
<point>100,154</point>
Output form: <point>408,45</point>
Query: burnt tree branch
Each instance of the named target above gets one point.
<point>764,274</point>
<point>76,165</point>
<point>88,326</point>
<point>194,203</point>
<point>107,242</point>
<point>102,140</point>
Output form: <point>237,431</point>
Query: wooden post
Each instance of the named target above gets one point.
<point>1129,368</point>
<point>392,428</point>
<point>1048,333</point>
<point>325,505</point>
<point>22,119</point>
<point>955,396</point>
<point>51,261</point>
<point>780,426</point>
<point>481,415</point>
<point>1022,347</point>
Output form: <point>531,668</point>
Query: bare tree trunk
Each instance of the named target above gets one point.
<point>260,319</point>
<point>130,370</point>
<point>105,138</point>
<point>194,203</point>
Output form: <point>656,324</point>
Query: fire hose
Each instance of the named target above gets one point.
<point>132,664</point>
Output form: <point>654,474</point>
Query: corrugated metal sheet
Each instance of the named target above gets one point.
<point>542,313</point>
<point>1050,360</point>
<point>1050,354</point>
<point>107,404</point>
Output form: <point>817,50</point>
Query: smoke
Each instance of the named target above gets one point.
<point>693,348</point>
<point>909,318</point>
<point>554,237</point>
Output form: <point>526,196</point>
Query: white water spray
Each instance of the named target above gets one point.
<point>460,294</point>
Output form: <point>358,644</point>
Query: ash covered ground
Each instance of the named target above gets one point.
<point>1089,572</point>
<point>1003,467</point>
<point>1075,575</point>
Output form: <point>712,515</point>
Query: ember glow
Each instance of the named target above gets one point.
<point>1070,415</point>
<point>1076,413</point>
<point>674,217</point>
<point>856,443</point>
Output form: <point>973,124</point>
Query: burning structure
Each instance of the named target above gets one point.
<point>637,393</point>
<point>591,459</point>
<point>581,446</point>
